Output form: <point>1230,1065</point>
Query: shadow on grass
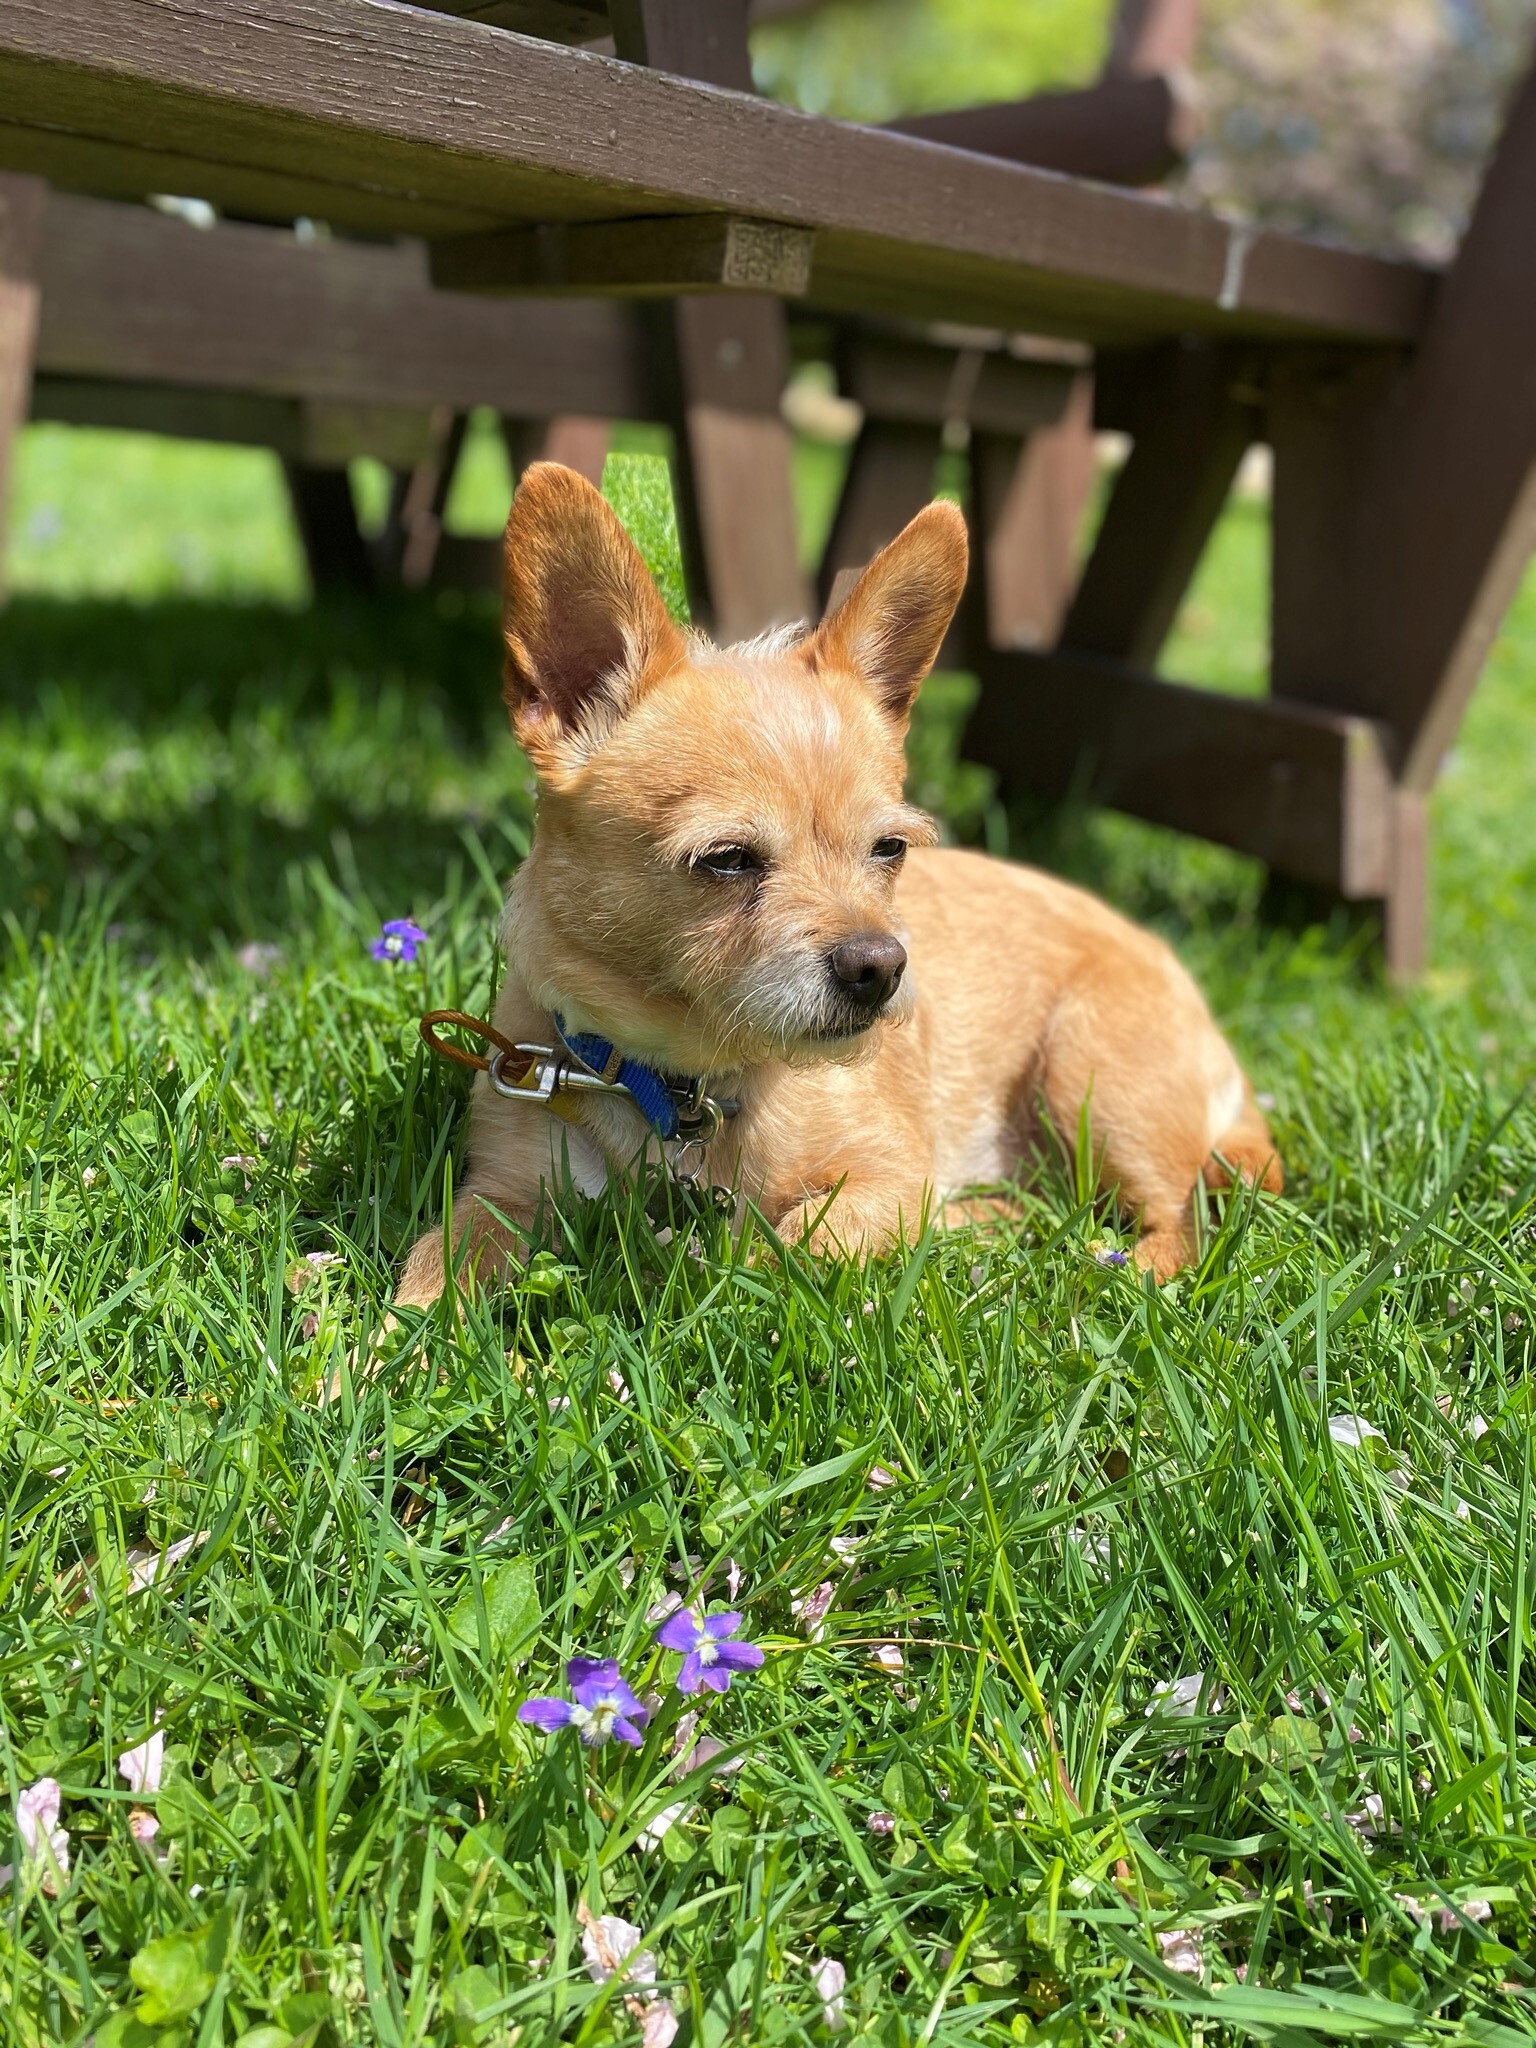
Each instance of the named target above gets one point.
<point>183,759</point>
<point>159,664</point>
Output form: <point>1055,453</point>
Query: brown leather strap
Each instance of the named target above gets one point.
<point>476,1026</point>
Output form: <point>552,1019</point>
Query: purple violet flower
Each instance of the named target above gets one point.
<point>604,1705</point>
<point>398,942</point>
<point>708,1659</point>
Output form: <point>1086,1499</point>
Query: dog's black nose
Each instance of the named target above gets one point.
<point>869,968</point>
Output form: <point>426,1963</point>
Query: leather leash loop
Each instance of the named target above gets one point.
<point>476,1026</point>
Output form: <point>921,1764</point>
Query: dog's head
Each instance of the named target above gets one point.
<point>720,830</point>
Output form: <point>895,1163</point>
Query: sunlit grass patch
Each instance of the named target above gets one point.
<point>1142,1665</point>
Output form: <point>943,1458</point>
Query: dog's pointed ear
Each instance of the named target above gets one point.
<point>582,621</point>
<point>892,623</point>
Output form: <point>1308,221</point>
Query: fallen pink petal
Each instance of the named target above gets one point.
<point>146,1566</point>
<point>141,1766</point>
<point>1183,1951</point>
<point>830,1980</point>
<point>144,1827</point>
<point>810,1609</point>
<point>610,1945</point>
<point>658,2024</point>
<point>661,1823</point>
<point>45,1845</point>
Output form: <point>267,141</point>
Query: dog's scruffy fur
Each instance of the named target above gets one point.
<point>726,880</point>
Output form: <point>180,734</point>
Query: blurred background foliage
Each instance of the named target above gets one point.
<point>1363,121</point>
<point>872,60</point>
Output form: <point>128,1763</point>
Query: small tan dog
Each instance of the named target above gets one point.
<point>726,883</point>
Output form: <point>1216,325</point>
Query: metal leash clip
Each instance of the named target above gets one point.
<point>695,1132</point>
<point>548,1073</point>
<point>545,1073</point>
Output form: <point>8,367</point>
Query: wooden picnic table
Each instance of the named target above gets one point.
<point>327,348</point>
<point>1400,404</point>
<point>392,119</point>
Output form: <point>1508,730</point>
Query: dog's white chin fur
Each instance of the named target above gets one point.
<point>782,1013</point>
<point>818,1047</point>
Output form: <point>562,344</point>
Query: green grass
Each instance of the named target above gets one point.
<point>869,60</point>
<point>1098,1488</point>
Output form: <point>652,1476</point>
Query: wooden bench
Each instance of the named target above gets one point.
<point>335,350</point>
<point>327,349</point>
<point>322,350</point>
<point>1386,393</point>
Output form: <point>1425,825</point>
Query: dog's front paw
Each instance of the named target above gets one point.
<point>493,1249</point>
<point>1163,1253</point>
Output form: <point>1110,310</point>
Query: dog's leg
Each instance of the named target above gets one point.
<point>1248,1147</point>
<point>860,1220</point>
<point>980,1210</point>
<point>515,1152</point>
<point>1164,1094</point>
<point>490,1253</point>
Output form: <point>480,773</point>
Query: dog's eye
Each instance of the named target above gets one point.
<point>728,861</point>
<point>888,849</point>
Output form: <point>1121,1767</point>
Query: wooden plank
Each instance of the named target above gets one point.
<point>1163,505</point>
<point>631,258</point>
<point>1405,513</point>
<point>1405,921</point>
<point>348,97</point>
<point>580,442</point>
<point>889,480</point>
<point>1322,417</point>
<point>23,205</point>
<point>691,40</point>
<point>114,170</point>
<point>577,440</point>
<point>407,549</point>
<point>896,379</point>
<point>1124,130</point>
<point>743,559</point>
<point>842,589</point>
<point>322,432</point>
<point>1308,791</point>
<point>574,21</point>
<point>245,419</point>
<point>128,293</point>
<point>1151,37</point>
<point>1029,500</point>
<point>338,555</point>
<point>1447,517</point>
<point>720,366</point>
<point>561,21</point>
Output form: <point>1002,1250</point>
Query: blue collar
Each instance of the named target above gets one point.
<point>659,1100</point>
